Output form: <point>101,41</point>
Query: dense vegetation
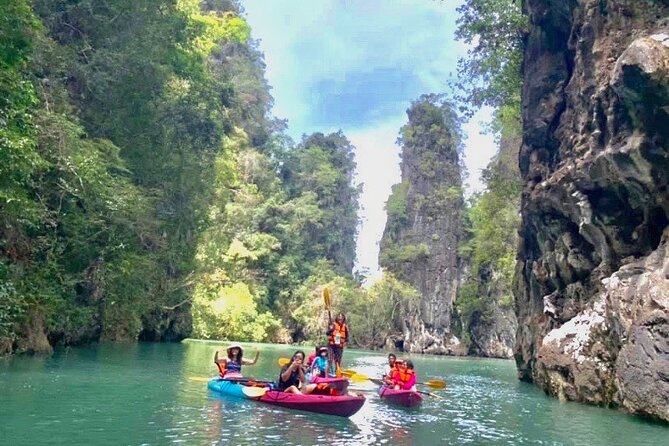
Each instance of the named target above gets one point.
<point>491,75</point>
<point>146,191</point>
<point>145,188</point>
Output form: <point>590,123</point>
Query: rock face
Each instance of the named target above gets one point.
<point>492,334</point>
<point>423,229</point>
<point>592,282</point>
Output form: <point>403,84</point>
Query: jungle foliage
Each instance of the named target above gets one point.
<point>146,192</point>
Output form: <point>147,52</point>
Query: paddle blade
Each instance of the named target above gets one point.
<point>199,379</point>
<point>357,377</point>
<point>326,298</point>
<point>348,373</point>
<point>435,383</point>
<point>283,362</point>
<point>254,392</point>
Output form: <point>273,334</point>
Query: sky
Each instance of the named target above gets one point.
<point>355,66</point>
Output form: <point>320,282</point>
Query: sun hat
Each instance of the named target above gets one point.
<point>235,345</point>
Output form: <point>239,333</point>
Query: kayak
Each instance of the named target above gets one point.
<point>342,405</point>
<point>338,384</point>
<point>405,398</point>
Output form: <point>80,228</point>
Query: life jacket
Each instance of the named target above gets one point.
<point>402,377</point>
<point>392,371</point>
<point>339,334</point>
<point>228,367</point>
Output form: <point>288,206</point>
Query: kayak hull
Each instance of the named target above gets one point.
<point>342,406</point>
<point>338,384</point>
<point>404,398</point>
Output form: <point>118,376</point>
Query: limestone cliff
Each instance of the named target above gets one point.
<point>423,228</point>
<point>592,282</point>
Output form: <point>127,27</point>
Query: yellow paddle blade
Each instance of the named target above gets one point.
<point>435,383</point>
<point>283,361</point>
<point>254,392</point>
<point>348,373</point>
<point>358,377</point>
<point>200,379</point>
<point>326,298</point>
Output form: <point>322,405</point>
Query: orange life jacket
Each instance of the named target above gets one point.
<point>339,333</point>
<point>402,377</point>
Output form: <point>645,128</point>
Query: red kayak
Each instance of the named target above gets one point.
<point>405,398</point>
<point>342,406</point>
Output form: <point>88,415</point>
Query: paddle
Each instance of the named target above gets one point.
<point>254,392</point>
<point>328,302</point>
<point>283,362</point>
<point>432,383</point>
<point>240,380</point>
<point>380,382</point>
<point>200,379</point>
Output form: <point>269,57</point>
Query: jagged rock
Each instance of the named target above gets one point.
<point>421,236</point>
<point>493,336</point>
<point>592,280</point>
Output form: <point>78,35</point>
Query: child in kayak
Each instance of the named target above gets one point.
<point>404,377</point>
<point>313,355</point>
<point>231,367</point>
<point>292,376</point>
<point>338,336</point>
<point>319,366</point>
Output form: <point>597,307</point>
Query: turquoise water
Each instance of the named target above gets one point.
<point>149,394</point>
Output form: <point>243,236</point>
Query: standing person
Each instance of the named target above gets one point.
<point>231,367</point>
<point>389,368</point>
<point>338,336</point>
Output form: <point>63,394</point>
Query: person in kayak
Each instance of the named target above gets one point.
<point>338,336</point>
<point>389,369</point>
<point>404,377</point>
<point>319,366</point>
<point>232,365</point>
<point>292,377</point>
<point>313,356</point>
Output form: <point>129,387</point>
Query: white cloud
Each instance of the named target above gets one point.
<point>378,159</point>
<point>307,41</point>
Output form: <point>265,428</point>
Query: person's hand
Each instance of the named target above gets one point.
<point>297,363</point>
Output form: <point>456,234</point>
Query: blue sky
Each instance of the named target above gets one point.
<point>356,65</point>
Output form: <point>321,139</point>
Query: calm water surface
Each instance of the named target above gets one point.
<point>148,394</point>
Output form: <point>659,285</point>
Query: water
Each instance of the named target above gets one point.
<point>147,394</point>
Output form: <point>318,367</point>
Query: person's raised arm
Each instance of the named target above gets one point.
<point>251,362</point>
<point>285,375</point>
<point>216,360</point>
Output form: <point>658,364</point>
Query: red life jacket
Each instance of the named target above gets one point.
<point>339,333</point>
